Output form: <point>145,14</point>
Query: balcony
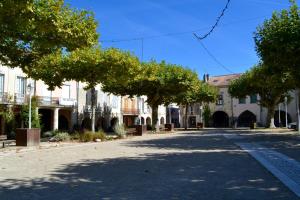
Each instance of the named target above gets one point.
<point>88,109</point>
<point>66,102</point>
<point>20,98</point>
<point>130,111</point>
<point>47,101</point>
<point>55,101</point>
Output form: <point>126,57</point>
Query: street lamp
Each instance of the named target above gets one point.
<point>29,88</point>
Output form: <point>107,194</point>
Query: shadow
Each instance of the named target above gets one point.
<point>198,167</point>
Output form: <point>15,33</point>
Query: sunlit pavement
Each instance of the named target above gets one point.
<point>172,166</point>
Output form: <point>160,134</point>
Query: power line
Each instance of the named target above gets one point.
<point>214,58</point>
<point>216,23</point>
<point>175,33</point>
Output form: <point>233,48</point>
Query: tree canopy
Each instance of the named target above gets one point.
<point>32,29</point>
<point>271,87</point>
<point>278,42</point>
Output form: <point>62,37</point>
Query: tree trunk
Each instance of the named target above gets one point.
<point>270,117</point>
<point>93,99</point>
<point>155,117</point>
<point>186,116</point>
<point>170,114</point>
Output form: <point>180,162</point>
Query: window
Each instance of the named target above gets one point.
<point>66,91</point>
<point>21,86</point>
<point>253,98</point>
<point>220,100</point>
<point>1,84</point>
<point>242,100</point>
<point>191,110</point>
<point>115,102</point>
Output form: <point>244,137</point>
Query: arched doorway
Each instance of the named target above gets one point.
<point>86,123</point>
<point>142,121</point>
<point>192,122</point>
<point>162,120</point>
<point>220,119</point>
<point>100,125</point>
<point>282,118</point>
<point>63,123</point>
<point>148,121</point>
<point>114,121</point>
<point>246,119</point>
<point>46,119</point>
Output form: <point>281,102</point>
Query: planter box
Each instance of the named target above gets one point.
<point>141,129</point>
<point>28,137</point>
<point>169,127</point>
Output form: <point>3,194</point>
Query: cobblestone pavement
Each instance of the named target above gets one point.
<point>170,166</point>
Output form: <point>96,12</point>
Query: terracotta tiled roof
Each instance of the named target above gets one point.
<point>223,80</point>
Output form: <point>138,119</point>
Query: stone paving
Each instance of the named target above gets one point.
<point>170,166</point>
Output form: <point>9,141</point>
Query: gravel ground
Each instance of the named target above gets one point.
<point>170,166</point>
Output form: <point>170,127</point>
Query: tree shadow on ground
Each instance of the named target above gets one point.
<point>200,168</point>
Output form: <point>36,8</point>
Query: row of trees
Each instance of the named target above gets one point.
<point>54,43</point>
<point>278,46</point>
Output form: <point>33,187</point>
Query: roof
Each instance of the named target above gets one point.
<point>223,80</point>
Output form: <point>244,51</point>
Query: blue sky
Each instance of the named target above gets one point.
<point>231,43</point>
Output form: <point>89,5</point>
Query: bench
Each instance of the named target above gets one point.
<point>5,141</point>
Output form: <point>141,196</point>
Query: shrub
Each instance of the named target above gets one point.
<point>62,136</point>
<point>90,136</point>
<point>48,134</point>
<point>75,136</point>
<point>99,135</point>
<point>119,129</point>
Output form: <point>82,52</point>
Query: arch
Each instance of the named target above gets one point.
<point>192,122</point>
<point>220,119</point>
<point>148,121</point>
<point>100,125</point>
<point>46,119</point>
<point>282,118</point>
<point>246,118</point>
<point>142,120</point>
<point>114,121</point>
<point>63,123</point>
<point>86,123</point>
<point>162,120</point>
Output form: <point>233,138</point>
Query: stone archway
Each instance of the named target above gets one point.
<point>114,121</point>
<point>162,120</point>
<point>220,119</point>
<point>86,123</point>
<point>246,119</point>
<point>46,119</point>
<point>142,120</point>
<point>148,121</point>
<point>282,118</point>
<point>63,123</point>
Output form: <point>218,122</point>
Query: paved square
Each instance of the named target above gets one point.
<point>171,166</point>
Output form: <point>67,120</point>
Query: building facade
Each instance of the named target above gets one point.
<point>232,112</point>
<point>69,107</point>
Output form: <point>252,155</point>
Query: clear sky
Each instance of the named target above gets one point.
<point>231,43</point>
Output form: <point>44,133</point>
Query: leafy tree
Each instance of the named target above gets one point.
<point>199,92</point>
<point>278,42</point>
<point>272,88</point>
<point>92,66</point>
<point>33,29</point>
<point>206,114</point>
<point>35,117</point>
<point>160,82</point>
